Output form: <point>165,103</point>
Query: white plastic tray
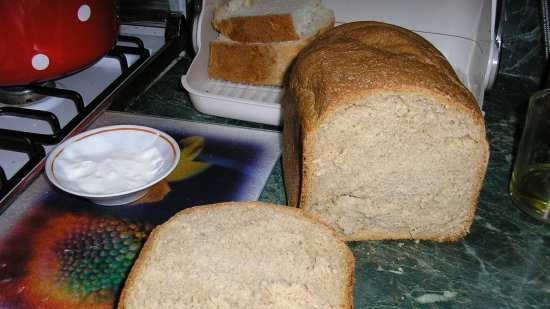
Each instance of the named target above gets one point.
<point>462,30</point>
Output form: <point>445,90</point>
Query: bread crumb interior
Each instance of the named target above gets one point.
<point>258,258</point>
<point>395,164</point>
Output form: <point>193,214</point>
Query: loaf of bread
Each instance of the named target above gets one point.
<point>381,139</point>
<point>271,20</point>
<point>241,255</point>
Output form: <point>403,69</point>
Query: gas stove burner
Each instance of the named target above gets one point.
<point>23,95</point>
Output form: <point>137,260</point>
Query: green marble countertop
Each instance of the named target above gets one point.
<point>503,263</point>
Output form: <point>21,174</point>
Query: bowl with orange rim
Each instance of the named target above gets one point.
<point>112,165</point>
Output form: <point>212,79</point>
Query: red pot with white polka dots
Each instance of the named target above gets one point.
<point>46,39</point>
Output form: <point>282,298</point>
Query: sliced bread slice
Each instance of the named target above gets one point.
<point>241,255</point>
<point>271,20</point>
<point>262,64</point>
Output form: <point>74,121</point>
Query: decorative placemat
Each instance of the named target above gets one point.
<point>61,251</point>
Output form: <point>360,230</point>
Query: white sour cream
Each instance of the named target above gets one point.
<point>107,172</point>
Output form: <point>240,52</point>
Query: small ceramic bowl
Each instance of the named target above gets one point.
<point>112,165</point>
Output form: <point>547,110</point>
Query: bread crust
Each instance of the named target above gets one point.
<point>350,63</point>
<point>140,262</point>
<point>257,29</point>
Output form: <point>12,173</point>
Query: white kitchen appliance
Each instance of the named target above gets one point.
<point>464,31</point>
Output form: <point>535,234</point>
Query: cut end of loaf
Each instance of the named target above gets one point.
<point>241,255</point>
<point>412,168</point>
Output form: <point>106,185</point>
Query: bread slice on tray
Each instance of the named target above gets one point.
<point>259,39</point>
<point>261,64</point>
<point>241,255</point>
<point>271,20</point>
<point>381,139</point>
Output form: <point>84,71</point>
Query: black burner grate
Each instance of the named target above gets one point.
<point>58,132</point>
<point>34,152</point>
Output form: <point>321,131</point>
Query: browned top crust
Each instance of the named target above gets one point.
<point>357,59</point>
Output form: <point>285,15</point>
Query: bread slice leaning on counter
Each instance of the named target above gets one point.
<point>381,139</point>
<point>241,255</point>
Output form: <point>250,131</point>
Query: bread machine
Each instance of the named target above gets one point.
<point>466,32</point>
